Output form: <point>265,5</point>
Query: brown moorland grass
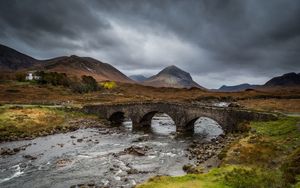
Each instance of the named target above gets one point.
<point>18,122</point>
<point>286,100</point>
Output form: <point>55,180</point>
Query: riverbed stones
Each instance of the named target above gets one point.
<point>204,151</point>
<point>12,151</point>
<point>30,157</point>
<point>7,151</point>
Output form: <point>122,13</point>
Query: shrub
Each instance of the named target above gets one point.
<point>21,77</point>
<point>90,83</point>
<point>253,178</point>
<point>243,127</point>
<point>53,78</point>
<point>191,169</point>
<point>86,84</point>
<point>291,168</point>
<point>109,85</point>
<point>78,87</point>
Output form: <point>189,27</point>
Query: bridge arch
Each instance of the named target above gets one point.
<point>206,128</point>
<point>146,119</point>
<point>190,125</point>
<point>116,118</point>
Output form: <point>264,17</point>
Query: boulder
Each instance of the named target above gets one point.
<point>136,150</point>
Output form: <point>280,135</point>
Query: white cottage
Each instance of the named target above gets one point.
<point>31,76</point>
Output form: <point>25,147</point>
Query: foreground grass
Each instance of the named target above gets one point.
<point>213,179</point>
<point>267,157</point>
<point>31,121</point>
<point>224,177</point>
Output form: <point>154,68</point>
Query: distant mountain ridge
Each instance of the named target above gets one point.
<point>172,76</point>
<point>289,79</point>
<point>235,88</point>
<point>138,78</point>
<point>12,60</point>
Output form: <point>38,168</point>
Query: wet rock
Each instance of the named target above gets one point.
<point>61,145</point>
<point>141,139</point>
<point>7,151</point>
<point>91,184</point>
<point>30,157</point>
<point>136,150</point>
<point>16,150</point>
<point>72,137</point>
<point>132,171</point>
<point>104,132</point>
<point>79,140</point>
<point>234,104</point>
<point>192,169</point>
<point>63,162</point>
<point>133,183</point>
<point>118,178</point>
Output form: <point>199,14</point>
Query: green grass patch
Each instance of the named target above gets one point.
<point>284,133</point>
<point>213,179</point>
<point>224,177</point>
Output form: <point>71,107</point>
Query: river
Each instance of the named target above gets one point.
<point>96,156</point>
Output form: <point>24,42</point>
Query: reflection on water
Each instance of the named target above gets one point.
<point>162,124</point>
<point>207,128</point>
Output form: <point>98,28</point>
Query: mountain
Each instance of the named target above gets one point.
<point>138,78</point>
<point>286,80</point>
<point>172,76</point>
<point>11,60</point>
<point>236,88</point>
<point>78,66</point>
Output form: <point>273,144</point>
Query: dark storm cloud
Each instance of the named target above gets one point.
<point>242,41</point>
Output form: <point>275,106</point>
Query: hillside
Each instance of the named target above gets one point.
<point>12,60</point>
<point>78,66</point>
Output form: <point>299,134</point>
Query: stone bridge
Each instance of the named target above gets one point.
<point>184,115</point>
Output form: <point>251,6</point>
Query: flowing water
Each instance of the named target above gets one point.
<point>62,160</point>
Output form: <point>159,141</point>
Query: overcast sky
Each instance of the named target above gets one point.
<point>217,41</point>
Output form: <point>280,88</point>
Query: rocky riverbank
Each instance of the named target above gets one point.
<point>208,154</point>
